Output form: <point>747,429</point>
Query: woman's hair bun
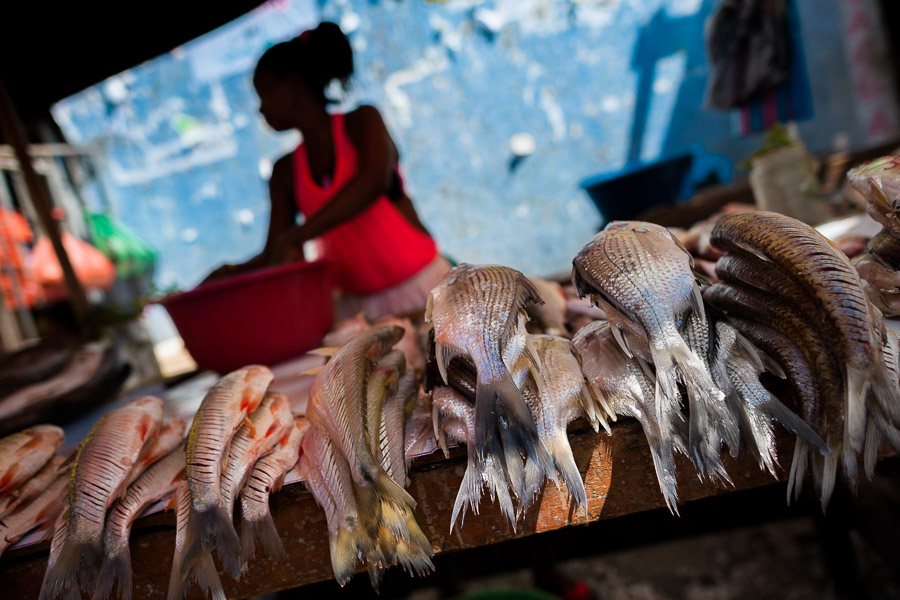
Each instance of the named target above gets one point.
<point>317,55</point>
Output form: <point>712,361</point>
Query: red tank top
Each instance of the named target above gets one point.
<point>375,250</point>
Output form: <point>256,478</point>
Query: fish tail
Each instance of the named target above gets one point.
<point>564,460</point>
<point>260,532</point>
<point>503,397</point>
<point>204,573</point>
<point>415,555</point>
<point>493,473</point>
<point>534,478</point>
<point>344,553</point>
<point>873,441</point>
<point>788,419</point>
<point>826,473</point>
<point>887,430</point>
<point>116,568</point>
<point>75,566</point>
<point>375,572</point>
<point>207,529</point>
<point>887,393</point>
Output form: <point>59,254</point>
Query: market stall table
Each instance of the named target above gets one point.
<point>619,479</point>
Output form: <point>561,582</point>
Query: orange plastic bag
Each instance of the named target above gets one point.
<point>92,268</point>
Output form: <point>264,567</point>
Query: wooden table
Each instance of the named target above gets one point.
<point>619,480</point>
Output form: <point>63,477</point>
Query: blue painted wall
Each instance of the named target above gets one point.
<point>594,83</point>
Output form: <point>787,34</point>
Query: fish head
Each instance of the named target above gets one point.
<point>879,181</point>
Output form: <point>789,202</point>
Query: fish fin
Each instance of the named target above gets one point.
<point>115,569</point>
<point>620,339</point>
<point>75,568</point>
<point>534,479</point>
<point>564,460</point>
<point>886,393</point>
<point>515,470</point>
<point>793,423</point>
<point>887,430</point>
<point>469,493</point>
<point>503,397</point>
<point>857,384</point>
<point>328,351</point>
<point>798,470</point>
<point>250,426</point>
<point>204,573</point>
<point>444,355</point>
<point>696,304</point>
<point>207,530</point>
<point>827,475</point>
<point>873,442</point>
<point>496,479</point>
<point>261,532</point>
<point>535,358</point>
<point>314,370</point>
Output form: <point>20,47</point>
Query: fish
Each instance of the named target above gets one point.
<point>42,509</point>
<point>879,182</point>
<point>384,378</point>
<point>551,315</point>
<point>24,453</point>
<point>327,475</point>
<point>336,407</point>
<point>159,481</point>
<point>408,344</point>
<point>886,248</point>
<point>220,415</point>
<point>737,367</point>
<point>811,261</point>
<point>81,367</point>
<point>641,276</point>
<point>419,435</point>
<point>169,437</point>
<point>392,426</point>
<point>102,464</point>
<point>451,405</point>
<point>346,330</point>
<point>204,572</point>
<point>477,312</point>
<point>624,386</point>
<point>880,282</point>
<point>264,429</point>
<point>266,477</point>
<point>709,423</point>
<point>34,486</point>
<point>562,399</point>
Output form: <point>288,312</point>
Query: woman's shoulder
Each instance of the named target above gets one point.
<point>364,117</point>
<point>283,170</point>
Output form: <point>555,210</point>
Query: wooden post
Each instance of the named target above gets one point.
<point>15,132</point>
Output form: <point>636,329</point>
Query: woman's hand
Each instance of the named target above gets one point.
<point>289,247</point>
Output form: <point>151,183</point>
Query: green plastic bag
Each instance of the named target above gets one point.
<point>131,255</point>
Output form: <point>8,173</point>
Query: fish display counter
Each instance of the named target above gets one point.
<point>518,407</point>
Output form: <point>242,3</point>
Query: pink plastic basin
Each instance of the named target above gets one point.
<point>263,317</point>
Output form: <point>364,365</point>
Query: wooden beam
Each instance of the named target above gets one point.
<point>15,133</point>
<point>619,479</point>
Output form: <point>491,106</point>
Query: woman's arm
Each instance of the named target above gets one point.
<point>282,218</point>
<point>376,156</point>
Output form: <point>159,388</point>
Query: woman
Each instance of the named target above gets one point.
<point>344,179</point>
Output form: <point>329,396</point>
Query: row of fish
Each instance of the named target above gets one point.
<point>353,457</point>
<point>685,362</point>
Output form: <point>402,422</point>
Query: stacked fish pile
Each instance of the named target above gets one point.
<point>353,457</point>
<point>879,267</point>
<point>661,346</point>
<point>242,442</point>
<point>106,482</point>
<point>798,297</point>
<point>32,481</point>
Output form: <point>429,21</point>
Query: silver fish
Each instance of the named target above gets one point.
<point>42,509</point>
<point>477,312</point>
<point>640,275</point>
<point>625,386</point>
<point>204,572</point>
<point>34,486</point>
<point>24,453</point>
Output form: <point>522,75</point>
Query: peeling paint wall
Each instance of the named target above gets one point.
<point>187,155</point>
